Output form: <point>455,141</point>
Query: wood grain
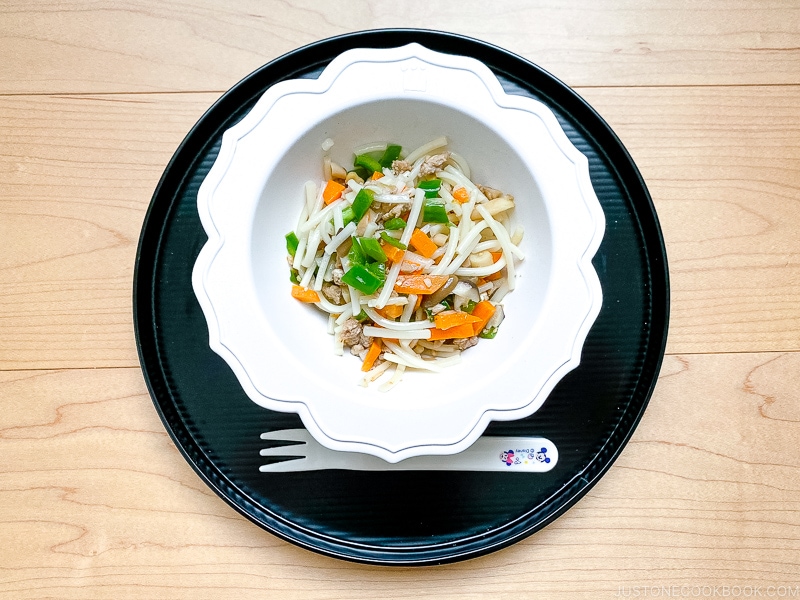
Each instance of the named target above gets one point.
<point>147,45</point>
<point>723,167</point>
<point>78,172</point>
<point>96,502</point>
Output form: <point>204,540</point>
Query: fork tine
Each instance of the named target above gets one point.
<point>295,450</point>
<point>288,435</point>
<point>284,466</point>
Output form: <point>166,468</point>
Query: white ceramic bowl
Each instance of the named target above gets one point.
<point>278,347</point>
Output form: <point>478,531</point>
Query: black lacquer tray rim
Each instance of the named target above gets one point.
<point>307,58</point>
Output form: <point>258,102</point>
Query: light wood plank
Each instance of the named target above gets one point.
<point>78,173</point>
<point>77,177</point>
<point>723,167</point>
<point>97,503</point>
<point>147,45</point>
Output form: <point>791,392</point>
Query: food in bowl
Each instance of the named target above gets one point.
<point>409,258</point>
<point>277,347</point>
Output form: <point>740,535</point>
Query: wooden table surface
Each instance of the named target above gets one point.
<point>96,501</point>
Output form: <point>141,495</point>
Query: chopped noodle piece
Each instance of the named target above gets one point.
<point>398,375</point>
<point>428,148</point>
<point>516,237</point>
<point>331,324</point>
<point>412,334</point>
<point>375,373</point>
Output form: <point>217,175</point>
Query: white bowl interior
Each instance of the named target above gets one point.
<point>301,328</point>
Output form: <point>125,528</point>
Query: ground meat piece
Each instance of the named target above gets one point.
<point>353,334</point>
<point>465,343</point>
<point>433,163</point>
<point>332,292</point>
<point>337,276</point>
<point>359,351</point>
<point>400,166</point>
<point>393,212</point>
<point>351,331</point>
<point>490,193</point>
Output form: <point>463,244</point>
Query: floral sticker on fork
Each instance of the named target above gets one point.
<point>521,457</point>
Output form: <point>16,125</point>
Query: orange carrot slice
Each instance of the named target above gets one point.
<point>495,276</point>
<point>453,318</point>
<point>423,244</point>
<point>499,274</point>
<point>377,175</point>
<point>392,253</point>
<point>454,333</point>
<point>419,284</point>
<point>461,195</point>
<point>333,190</point>
<point>390,311</point>
<point>304,295</point>
<point>484,310</point>
<point>372,355</point>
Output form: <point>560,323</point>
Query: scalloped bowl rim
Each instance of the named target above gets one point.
<point>224,248</point>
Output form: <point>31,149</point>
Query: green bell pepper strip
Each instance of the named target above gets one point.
<point>392,241</point>
<point>369,163</point>
<point>433,211</point>
<point>391,154</point>
<point>291,243</point>
<point>362,279</point>
<point>356,254</point>
<point>371,248</point>
<point>377,269</point>
<point>431,187</point>
<point>430,184</point>
<point>362,172</point>
<point>394,224</point>
<point>362,316</point>
<point>488,334</point>
<point>361,204</point>
<point>348,215</point>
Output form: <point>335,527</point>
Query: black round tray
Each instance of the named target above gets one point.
<point>413,517</point>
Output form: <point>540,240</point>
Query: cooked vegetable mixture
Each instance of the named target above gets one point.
<point>409,258</point>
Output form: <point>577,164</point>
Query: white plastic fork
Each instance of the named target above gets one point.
<point>505,454</point>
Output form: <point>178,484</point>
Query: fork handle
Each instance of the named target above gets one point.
<point>509,455</point>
